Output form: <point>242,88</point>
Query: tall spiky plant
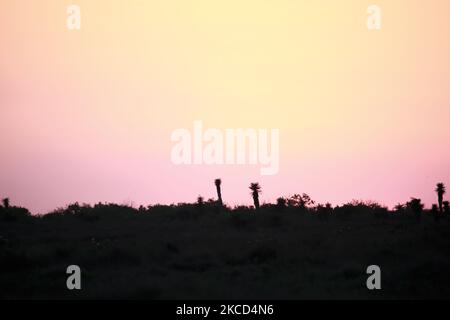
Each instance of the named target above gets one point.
<point>218,183</point>
<point>256,190</point>
<point>440,190</point>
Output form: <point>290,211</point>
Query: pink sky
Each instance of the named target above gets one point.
<point>87,115</point>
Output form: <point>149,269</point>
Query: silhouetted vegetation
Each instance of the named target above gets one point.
<point>256,190</point>
<point>440,190</point>
<point>416,207</point>
<point>435,212</point>
<point>12,213</point>
<point>281,203</point>
<point>291,249</point>
<point>446,208</point>
<point>5,203</point>
<point>218,183</point>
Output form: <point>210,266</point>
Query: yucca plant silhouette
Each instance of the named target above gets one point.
<point>256,190</point>
<point>218,184</point>
<point>440,190</point>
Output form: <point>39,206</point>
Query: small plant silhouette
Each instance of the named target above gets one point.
<point>446,208</point>
<point>324,212</point>
<point>256,190</point>
<point>200,204</point>
<point>301,201</point>
<point>5,202</point>
<point>440,190</point>
<point>281,203</point>
<point>218,184</point>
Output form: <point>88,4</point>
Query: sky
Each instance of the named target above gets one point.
<point>87,115</point>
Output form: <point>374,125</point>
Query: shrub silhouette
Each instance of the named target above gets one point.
<point>358,208</point>
<point>200,204</point>
<point>446,208</point>
<point>301,202</point>
<point>415,205</point>
<point>324,212</point>
<point>400,208</point>
<point>5,202</point>
<point>281,203</point>
<point>12,213</point>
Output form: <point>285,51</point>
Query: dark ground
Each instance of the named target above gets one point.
<point>192,251</point>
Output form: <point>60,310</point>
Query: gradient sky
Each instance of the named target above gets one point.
<point>87,115</point>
